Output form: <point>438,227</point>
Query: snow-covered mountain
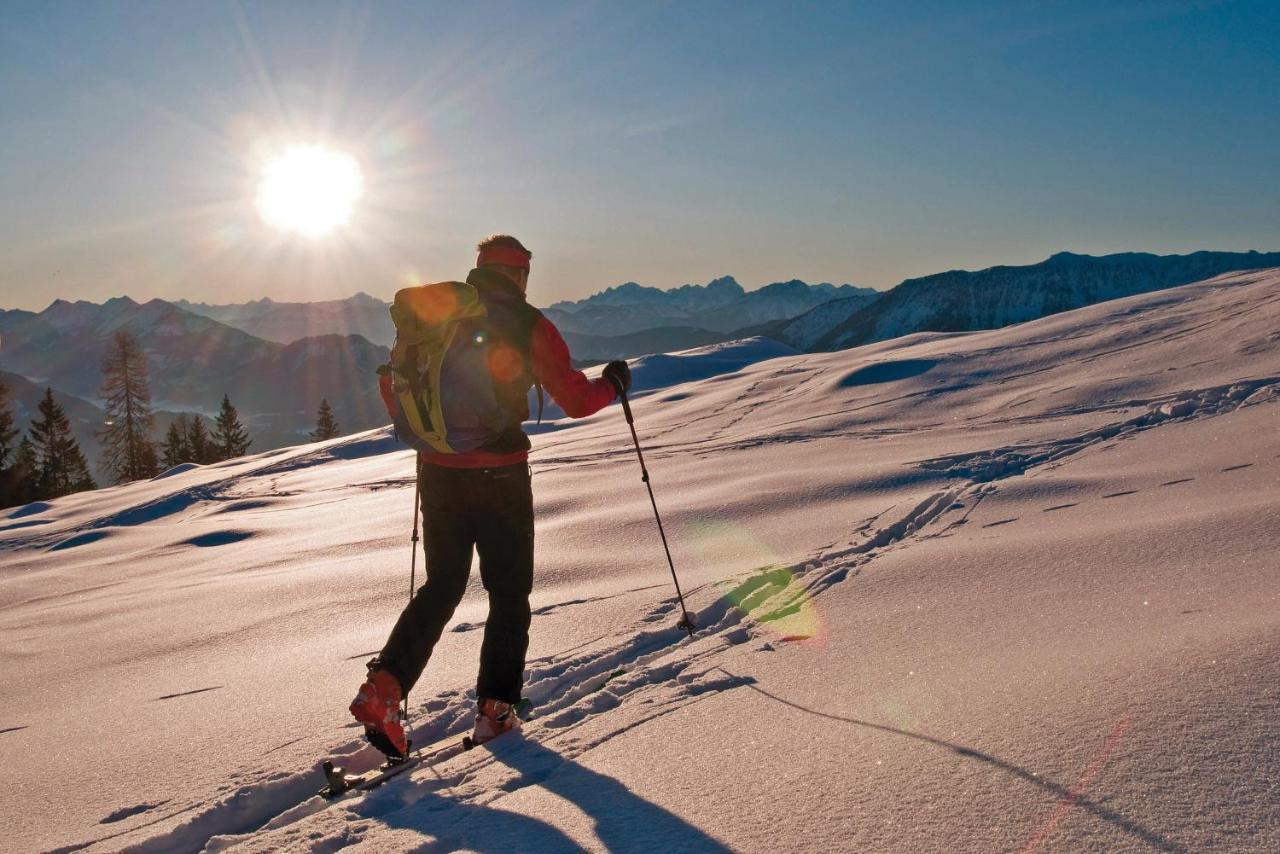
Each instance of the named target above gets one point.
<point>286,322</point>
<point>806,330</point>
<point>686,299</point>
<point>960,301</point>
<point>720,306</point>
<point>1006,590</point>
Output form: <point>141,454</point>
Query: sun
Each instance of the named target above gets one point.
<point>309,190</point>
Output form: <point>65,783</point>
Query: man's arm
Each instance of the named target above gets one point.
<point>577,395</point>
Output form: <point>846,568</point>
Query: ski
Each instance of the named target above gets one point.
<point>338,782</point>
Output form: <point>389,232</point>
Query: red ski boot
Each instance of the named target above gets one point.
<point>377,706</point>
<point>494,718</point>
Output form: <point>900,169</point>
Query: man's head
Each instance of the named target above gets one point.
<point>506,255</point>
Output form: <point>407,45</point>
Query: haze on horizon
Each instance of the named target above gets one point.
<point>663,145</point>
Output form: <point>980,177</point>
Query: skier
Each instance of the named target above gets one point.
<point>481,498</point>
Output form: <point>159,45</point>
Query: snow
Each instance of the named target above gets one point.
<point>1007,590</point>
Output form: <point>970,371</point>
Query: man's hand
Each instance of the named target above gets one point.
<point>618,373</point>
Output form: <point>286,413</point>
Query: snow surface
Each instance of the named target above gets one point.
<point>1008,590</point>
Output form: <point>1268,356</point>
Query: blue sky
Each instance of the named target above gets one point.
<point>661,143</point>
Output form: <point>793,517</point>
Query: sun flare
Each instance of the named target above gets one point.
<point>309,190</point>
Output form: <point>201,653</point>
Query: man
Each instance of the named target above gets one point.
<point>480,498</point>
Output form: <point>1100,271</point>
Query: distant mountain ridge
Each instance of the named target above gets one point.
<point>640,318</point>
<point>963,301</point>
<point>195,358</point>
<point>284,322</point>
<point>722,305</point>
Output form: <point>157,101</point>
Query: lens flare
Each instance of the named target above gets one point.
<point>771,594</point>
<point>309,190</point>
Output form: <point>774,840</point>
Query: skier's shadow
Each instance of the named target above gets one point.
<point>623,820</point>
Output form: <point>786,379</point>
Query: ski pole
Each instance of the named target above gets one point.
<point>686,622</point>
<point>413,540</point>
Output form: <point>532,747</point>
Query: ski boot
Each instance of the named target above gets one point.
<point>494,718</point>
<point>377,706</point>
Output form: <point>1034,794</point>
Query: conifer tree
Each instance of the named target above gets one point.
<point>199,446</point>
<point>229,435</point>
<point>60,465</point>
<point>22,474</point>
<point>127,451</point>
<point>176,450</point>
<point>10,477</point>
<point>8,430</point>
<point>326,426</point>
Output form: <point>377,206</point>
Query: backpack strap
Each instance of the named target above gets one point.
<point>416,391</point>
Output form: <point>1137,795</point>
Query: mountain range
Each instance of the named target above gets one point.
<point>721,305</point>
<point>286,322</point>
<point>687,316</point>
<point>963,301</point>
<point>198,352</point>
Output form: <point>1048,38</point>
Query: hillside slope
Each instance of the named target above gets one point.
<point>1011,590</point>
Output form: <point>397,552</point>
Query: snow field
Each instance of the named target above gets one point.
<point>1011,590</point>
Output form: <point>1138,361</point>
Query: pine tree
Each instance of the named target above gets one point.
<point>326,427</point>
<point>11,486</point>
<point>127,451</point>
<point>8,431</point>
<point>60,466</point>
<point>199,446</point>
<point>176,449</point>
<point>229,435</point>
<point>21,476</point>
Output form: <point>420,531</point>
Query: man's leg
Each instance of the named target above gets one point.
<point>447,536</point>
<point>505,543</point>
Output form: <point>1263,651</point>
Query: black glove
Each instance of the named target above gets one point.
<point>618,373</point>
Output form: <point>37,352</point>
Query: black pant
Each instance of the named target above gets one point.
<point>492,511</point>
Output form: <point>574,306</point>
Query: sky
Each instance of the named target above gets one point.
<point>663,143</point>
